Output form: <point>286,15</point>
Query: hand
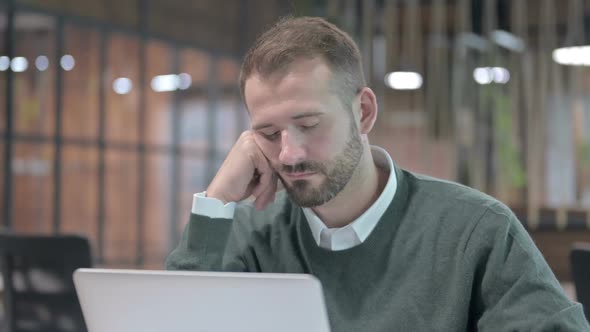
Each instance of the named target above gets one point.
<point>245,172</point>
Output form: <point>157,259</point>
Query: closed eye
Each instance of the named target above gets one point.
<point>272,136</point>
<point>306,128</point>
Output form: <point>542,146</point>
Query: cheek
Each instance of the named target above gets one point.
<point>323,145</point>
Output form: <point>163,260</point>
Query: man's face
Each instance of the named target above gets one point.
<point>303,129</point>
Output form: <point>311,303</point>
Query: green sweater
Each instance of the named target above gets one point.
<point>443,257</point>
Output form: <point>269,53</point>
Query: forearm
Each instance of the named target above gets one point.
<point>202,246</point>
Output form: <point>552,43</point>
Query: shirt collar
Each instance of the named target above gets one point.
<point>367,221</point>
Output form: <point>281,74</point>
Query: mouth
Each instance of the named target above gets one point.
<point>300,175</point>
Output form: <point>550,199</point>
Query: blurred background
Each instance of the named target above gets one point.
<point>114,112</point>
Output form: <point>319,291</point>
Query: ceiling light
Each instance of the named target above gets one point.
<point>67,62</point>
<point>122,85</point>
<point>42,63</point>
<point>171,82</point>
<point>19,64</point>
<point>4,63</point>
<point>404,80</point>
<point>489,75</point>
<point>572,56</point>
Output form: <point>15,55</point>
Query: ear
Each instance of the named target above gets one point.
<point>368,110</point>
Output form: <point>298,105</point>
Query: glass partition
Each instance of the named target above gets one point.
<point>79,192</point>
<point>121,202</point>
<point>80,64</point>
<point>159,98</point>
<point>34,69</point>
<point>33,187</point>
<point>122,90</point>
<point>156,223</point>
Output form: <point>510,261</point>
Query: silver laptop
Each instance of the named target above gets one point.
<point>159,301</point>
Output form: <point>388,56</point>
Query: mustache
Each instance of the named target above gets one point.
<point>306,166</point>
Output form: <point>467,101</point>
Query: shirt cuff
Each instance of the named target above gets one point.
<point>212,207</point>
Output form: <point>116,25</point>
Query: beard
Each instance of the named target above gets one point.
<point>336,172</point>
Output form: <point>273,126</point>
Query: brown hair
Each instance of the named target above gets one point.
<point>291,39</point>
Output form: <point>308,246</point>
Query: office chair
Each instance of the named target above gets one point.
<point>580,265</point>
<point>39,293</point>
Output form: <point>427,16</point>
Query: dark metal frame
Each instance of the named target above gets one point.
<point>100,234</point>
<point>57,162</point>
<point>9,145</point>
<point>212,91</point>
<point>175,169</point>
<point>143,10</point>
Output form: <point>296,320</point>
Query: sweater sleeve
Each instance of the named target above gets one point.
<point>203,247</point>
<point>514,288</point>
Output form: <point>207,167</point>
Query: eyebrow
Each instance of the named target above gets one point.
<point>295,117</point>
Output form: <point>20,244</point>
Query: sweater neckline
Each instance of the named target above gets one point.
<point>387,225</point>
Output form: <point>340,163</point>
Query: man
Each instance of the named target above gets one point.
<point>395,251</point>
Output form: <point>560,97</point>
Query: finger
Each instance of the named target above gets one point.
<point>266,176</point>
<point>263,195</point>
<point>265,184</point>
<point>268,195</point>
<point>250,189</point>
<point>259,186</point>
<point>264,200</point>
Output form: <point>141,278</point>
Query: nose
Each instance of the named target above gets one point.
<point>292,149</point>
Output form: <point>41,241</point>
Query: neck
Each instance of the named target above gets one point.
<point>363,189</point>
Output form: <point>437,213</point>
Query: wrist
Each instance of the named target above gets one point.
<point>212,193</point>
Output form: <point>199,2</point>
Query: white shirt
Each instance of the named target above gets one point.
<point>334,239</point>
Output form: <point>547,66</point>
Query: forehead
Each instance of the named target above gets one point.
<point>306,81</point>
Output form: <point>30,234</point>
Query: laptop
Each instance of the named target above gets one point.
<point>159,301</point>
